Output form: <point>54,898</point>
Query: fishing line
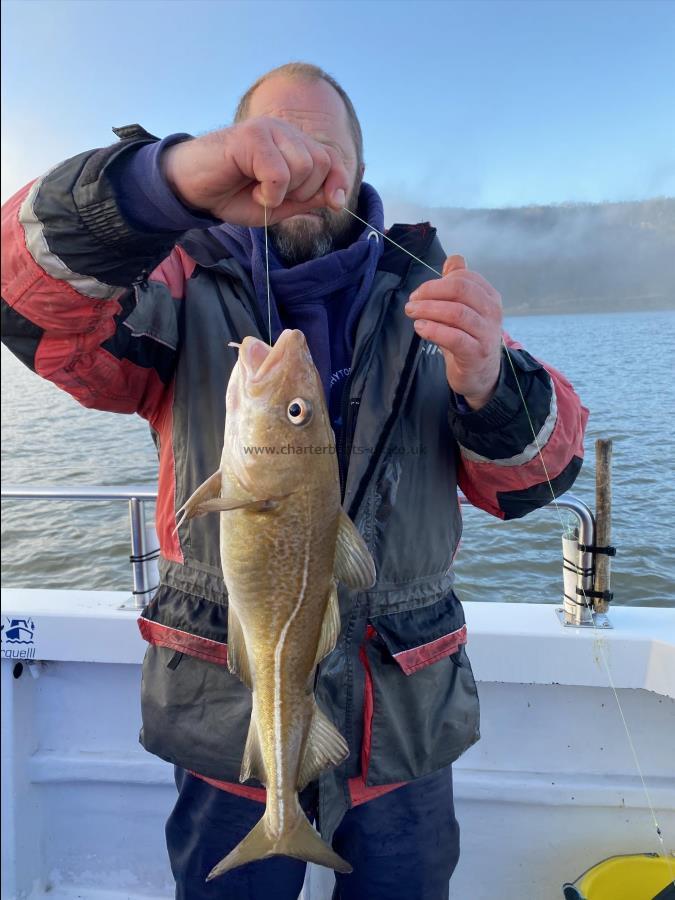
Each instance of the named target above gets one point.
<point>599,642</point>
<point>391,241</point>
<point>267,273</point>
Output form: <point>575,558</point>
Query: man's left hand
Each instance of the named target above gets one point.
<point>462,313</point>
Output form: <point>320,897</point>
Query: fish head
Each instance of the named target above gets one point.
<point>277,431</point>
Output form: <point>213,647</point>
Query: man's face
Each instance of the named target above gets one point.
<point>317,109</point>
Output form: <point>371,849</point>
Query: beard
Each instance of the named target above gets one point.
<point>304,237</point>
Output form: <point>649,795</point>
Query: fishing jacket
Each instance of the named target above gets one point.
<point>133,322</point>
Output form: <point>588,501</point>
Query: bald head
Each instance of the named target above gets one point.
<point>310,100</point>
<point>310,74</point>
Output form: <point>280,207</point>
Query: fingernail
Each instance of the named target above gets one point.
<point>409,307</point>
<point>340,197</point>
<point>419,324</point>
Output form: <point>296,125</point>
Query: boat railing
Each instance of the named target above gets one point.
<point>142,556</point>
<point>136,495</point>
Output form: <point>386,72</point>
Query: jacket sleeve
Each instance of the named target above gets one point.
<point>89,301</point>
<point>531,432</point>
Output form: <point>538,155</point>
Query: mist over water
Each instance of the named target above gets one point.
<point>620,364</point>
<point>570,258</point>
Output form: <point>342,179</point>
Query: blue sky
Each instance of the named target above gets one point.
<point>462,103</point>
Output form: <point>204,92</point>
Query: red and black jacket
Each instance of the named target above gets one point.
<point>133,322</point>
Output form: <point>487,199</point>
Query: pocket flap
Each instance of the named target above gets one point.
<point>418,637</point>
<point>182,641</point>
<point>186,624</point>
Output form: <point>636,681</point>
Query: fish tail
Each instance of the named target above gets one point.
<point>300,840</point>
<point>303,841</point>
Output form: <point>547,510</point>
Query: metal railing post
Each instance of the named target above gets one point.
<point>136,495</point>
<point>138,563</point>
<point>580,610</point>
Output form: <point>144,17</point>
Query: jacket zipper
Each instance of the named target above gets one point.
<point>386,429</point>
<point>347,437</point>
<point>342,455</point>
<point>350,405</point>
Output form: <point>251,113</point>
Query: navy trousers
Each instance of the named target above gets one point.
<point>403,845</point>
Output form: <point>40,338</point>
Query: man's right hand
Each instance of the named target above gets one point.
<point>233,173</point>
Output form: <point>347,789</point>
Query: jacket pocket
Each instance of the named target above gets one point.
<point>195,713</point>
<point>421,706</point>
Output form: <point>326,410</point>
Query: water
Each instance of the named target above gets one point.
<point>620,364</point>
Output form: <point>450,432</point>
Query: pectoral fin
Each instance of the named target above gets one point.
<point>354,565</point>
<point>330,628</point>
<point>207,499</point>
<point>223,504</point>
<point>209,490</point>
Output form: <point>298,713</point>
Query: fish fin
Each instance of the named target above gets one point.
<point>330,629</point>
<point>206,491</point>
<point>237,654</point>
<point>325,747</point>
<point>305,842</point>
<point>223,504</point>
<point>300,841</point>
<point>252,765</point>
<point>258,844</point>
<point>354,565</point>
<point>206,499</point>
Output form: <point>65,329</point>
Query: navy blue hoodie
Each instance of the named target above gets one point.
<point>323,297</point>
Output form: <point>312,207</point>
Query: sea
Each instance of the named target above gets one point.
<point>621,364</point>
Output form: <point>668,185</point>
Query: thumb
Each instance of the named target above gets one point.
<point>452,263</point>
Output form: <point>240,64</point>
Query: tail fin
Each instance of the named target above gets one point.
<point>304,842</point>
<point>301,841</point>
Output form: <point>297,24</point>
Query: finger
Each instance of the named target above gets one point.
<point>315,178</point>
<point>445,312</point>
<point>336,186</point>
<point>464,274</point>
<point>271,171</point>
<point>308,161</point>
<point>326,197</point>
<point>293,208</point>
<point>297,157</point>
<point>453,340</point>
<point>452,263</point>
<point>459,288</point>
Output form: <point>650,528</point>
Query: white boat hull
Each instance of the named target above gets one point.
<point>549,790</point>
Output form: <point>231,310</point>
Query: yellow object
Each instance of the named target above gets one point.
<point>641,876</point>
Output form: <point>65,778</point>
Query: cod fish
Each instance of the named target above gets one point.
<point>285,542</point>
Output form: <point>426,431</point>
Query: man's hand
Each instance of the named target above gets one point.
<point>234,172</point>
<point>462,313</point>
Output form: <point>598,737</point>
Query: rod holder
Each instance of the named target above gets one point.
<point>138,565</point>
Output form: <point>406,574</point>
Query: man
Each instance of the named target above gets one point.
<point>127,272</point>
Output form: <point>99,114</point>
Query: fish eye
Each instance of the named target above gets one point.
<point>299,411</point>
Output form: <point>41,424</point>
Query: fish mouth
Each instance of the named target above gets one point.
<point>260,361</point>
